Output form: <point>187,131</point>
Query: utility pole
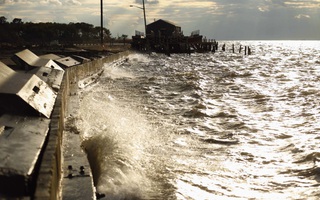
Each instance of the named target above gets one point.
<point>145,22</point>
<point>144,16</point>
<point>101,27</point>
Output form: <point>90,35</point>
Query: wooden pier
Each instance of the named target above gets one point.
<point>166,37</point>
<point>171,44</point>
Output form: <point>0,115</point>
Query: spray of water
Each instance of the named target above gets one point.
<point>123,145</point>
<point>267,100</point>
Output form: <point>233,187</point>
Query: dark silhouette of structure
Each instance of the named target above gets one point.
<point>166,37</point>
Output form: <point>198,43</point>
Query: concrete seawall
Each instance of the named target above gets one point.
<point>51,172</point>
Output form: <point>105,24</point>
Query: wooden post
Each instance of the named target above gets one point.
<point>249,51</point>
<point>167,47</point>
<point>214,46</point>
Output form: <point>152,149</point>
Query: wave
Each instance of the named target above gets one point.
<point>150,125</point>
<point>118,141</point>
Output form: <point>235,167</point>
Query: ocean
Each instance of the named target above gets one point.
<point>217,125</point>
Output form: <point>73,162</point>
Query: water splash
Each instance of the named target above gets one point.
<point>150,122</point>
<point>118,141</point>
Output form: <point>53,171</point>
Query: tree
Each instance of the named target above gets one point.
<point>17,21</point>
<point>19,33</point>
<point>3,20</point>
<point>124,37</point>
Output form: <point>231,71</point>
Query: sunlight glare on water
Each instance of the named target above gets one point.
<point>207,126</point>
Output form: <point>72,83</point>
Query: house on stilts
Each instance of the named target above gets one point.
<point>166,37</point>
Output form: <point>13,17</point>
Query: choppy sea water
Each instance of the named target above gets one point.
<point>207,126</point>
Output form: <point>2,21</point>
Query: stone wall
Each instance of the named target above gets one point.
<point>48,184</point>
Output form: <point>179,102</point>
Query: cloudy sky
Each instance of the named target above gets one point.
<point>216,19</point>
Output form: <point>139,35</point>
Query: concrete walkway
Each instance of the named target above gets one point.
<point>77,181</point>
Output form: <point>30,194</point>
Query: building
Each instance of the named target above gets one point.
<point>166,37</point>
<point>163,28</point>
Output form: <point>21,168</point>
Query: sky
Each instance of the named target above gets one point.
<point>216,19</point>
